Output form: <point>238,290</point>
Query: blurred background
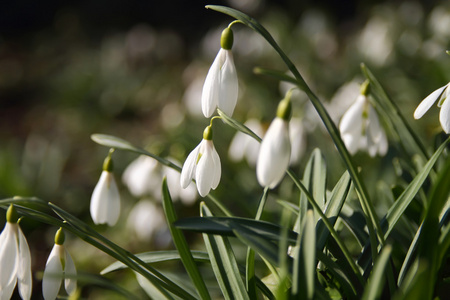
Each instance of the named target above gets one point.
<point>135,69</point>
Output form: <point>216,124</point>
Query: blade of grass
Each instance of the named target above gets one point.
<point>377,279</point>
<point>182,245</point>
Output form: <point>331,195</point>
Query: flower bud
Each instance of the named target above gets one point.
<point>284,109</point>
<point>226,40</point>
<point>60,237</point>
<point>11,214</point>
<point>207,133</point>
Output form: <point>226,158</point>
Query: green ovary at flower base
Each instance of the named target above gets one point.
<point>441,95</point>
<point>15,259</point>
<point>59,265</point>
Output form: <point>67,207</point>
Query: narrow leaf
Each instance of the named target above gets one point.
<point>377,278</point>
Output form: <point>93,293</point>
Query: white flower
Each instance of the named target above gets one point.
<point>361,130</point>
<point>298,140</point>
<point>221,85</point>
<point>142,176</point>
<point>274,154</point>
<point>15,259</point>
<point>244,146</point>
<point>145,219</point>
<point>59,265</point>
<point>203,165</point>
<point>105,200</point>
<point>441,94</point>
<point>187,195</point>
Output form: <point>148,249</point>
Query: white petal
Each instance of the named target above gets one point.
<point>8,260</point>
<point>105,201</point>
<point>217,168</point>
<point>228,86</point>
<point>24,278</point>
<point>236,151</point>
<point>426,103</point>
<point>444,116</point>
<point>351,126</point>
<point>376,137</point>
<point>204,174</point>
<point>53,273</point>
<point>210,92</point>
<point>189,167</point>
<point>70,272</point>
<point>142,176</point>
<point>274,154</point>
<point>298,142</point>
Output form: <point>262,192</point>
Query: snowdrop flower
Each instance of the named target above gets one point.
<point>189,195</point>
<point>146,219</point>
<point>59,265</point>
<point>15,259</point>
<point>441,94</point>
<point>275,152</point>
<point>105,200</point>
<point>203,165</point>
<point>221,86</point>
<point>360,128</point>
<point>298,140</point>
<point>244,146</point>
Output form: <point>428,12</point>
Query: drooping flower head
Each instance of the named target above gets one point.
<point>275,152</point>
<point>361,129</point>
<point>221,86</point>
<point>15,259</point>
<point>203,165</point>
<point>441,95</point>
<point>105,200</point>
<point>59,266</point>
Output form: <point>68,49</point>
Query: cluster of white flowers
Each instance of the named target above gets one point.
<point>15,262</point>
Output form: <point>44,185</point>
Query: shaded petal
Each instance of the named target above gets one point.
<point>204,174</point>
<point>376,137</point>
<point>105,201</point>
<point>426,103</point>
<point>24,268</point>
<point>53,273</point>
<point>351,126</point>
<point>217,168</point>
<point>210,92</point>
<point>70,272</point>
<point>274,154</point>
<point>8,260</point>
<point>444,116</point>
<point>189,167</point>
<point>228,85</point>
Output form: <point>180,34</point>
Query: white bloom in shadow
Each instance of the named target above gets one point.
<point>203,165</point>
<point>441,95</point>
<point>142,176</point>
<point>59,265</point>
<point>105,200</point>
<point>361,129</point>
<point>243,146</point>
<point>221,85</point>
<point>15,259</point>
<point>274,154</point>
<point>146,219</point>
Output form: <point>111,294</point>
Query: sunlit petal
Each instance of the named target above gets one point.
<point>8,260</point>
<point>426,103</point>
<point>210,92</point>
<point>217,168</point>
<point>444,116</point>
<point>53,273</point>
<point>228,88</point>
<point>205,172</point>
<point>105,201</point>
<point>189,167</point>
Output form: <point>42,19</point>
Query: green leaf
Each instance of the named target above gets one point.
<point>182,245</point>
<point>305,261</point>
<point>333,208</point>
<point>377,278</point>
<point>238,126</point>
<point>224,263</point>
<point>118,143</point>
<point>225,226</point>
<point>157,257</point>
